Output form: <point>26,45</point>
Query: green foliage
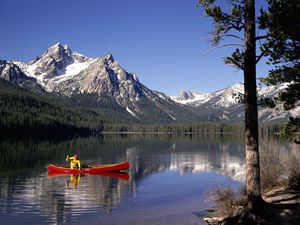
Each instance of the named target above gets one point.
<point>292,129</point>
<point>282,20</point>
<point>236,59</point>
<point>266,102</point>
<point>283,42</point>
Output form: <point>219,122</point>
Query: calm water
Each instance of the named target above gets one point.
<point>168,180</point>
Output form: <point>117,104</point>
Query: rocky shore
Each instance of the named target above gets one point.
<point>283,209</point>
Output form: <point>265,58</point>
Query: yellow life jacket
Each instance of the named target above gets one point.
<point>75,163</point>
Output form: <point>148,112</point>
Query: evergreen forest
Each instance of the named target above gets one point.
<point>25,112</point>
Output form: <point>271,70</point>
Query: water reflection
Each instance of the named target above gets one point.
<point>227,158</point>
<point>73,181</point>
<point>61,198</point>
<point>27,193</point>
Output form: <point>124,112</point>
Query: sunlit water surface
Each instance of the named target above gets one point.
<point>167,183</point>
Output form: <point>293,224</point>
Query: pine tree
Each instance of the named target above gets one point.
<point>282,21</point>
<point>239,23</point>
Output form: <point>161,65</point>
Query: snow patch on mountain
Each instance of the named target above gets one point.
<point>71,70</point>
<point>132,113</point>
<point>173,118</point>
<point>74,68</point>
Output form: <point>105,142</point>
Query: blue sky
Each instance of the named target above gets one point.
<point>159,40</point>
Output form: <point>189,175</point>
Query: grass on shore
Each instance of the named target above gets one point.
<point>277,170</point>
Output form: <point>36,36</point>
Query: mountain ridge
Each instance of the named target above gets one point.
<point>61,71</point>
<point>229,101</point>
<point>106,84</point>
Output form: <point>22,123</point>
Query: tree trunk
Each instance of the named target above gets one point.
<point>251,124</point>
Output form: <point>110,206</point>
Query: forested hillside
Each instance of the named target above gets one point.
<point>25,112</point>
<point>22,109</point>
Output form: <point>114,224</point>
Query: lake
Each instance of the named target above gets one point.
<point>168,180</point>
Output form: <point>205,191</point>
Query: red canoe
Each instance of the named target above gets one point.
<point>91,170</point>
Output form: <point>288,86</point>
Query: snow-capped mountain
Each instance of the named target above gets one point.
<point>226,104</point>
<point>222,98</point>
<point>11,72</point>
<point>104,83</point>
<point>55,65</point>
<point>191,98</point>
<point>103,80</point>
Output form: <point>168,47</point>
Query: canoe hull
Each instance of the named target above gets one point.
<point>92,170</point>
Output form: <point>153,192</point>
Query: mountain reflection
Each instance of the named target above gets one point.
<point>227,159</point>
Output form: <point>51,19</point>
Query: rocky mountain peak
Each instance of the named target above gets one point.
<point>185,95</point>
<point>52,62</point>
<point>59,53</point>
<point>237,87</point>
<point>11,72</point>
<point>109,58</point>
<point>191,98</point>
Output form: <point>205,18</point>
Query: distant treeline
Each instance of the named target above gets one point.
<point>25,112</point>
<point>201,128</point>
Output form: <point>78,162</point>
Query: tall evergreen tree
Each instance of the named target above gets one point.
<point>239,23</point>
<point>250,102</point>
<point>282,21</point>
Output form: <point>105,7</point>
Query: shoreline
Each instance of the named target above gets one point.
<point>283,206</point>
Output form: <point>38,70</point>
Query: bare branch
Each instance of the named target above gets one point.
<point>235,1</point>
<point>261,37</point>
<point>222,35</point>
<point>221,46</point>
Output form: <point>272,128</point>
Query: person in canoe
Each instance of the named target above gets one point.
<point>75,162</point>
